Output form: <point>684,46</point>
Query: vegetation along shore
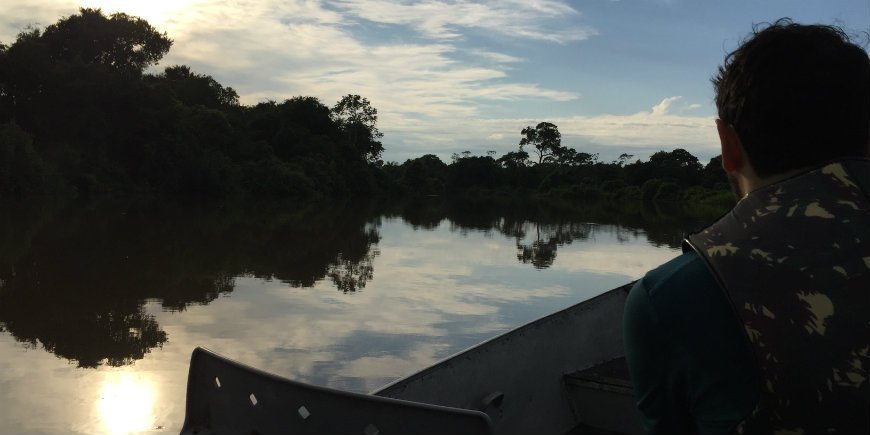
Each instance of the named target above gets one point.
<point>81,115</point>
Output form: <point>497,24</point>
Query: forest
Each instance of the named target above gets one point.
<point>84,111</point>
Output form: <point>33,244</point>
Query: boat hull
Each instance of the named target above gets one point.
<point>527,378</point>
<point>564,373</point>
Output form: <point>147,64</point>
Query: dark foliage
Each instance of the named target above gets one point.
<point>78,115</point>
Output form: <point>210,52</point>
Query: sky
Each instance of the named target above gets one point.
<point>615,76</point>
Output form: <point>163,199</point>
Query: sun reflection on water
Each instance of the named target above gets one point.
<point>127,403</point>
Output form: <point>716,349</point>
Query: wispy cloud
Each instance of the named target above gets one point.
<point>493,56</point>
<point>447,19</point>
<point>664,106</point>
<point>274,52</point>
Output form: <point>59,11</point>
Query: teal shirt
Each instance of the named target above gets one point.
<point>691,365</point>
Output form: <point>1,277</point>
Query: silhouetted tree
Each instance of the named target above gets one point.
<point>426,175</point>
<point>678,164</point>
<point>544,137</point>
<point>198,89</point>
<point>570,157</point>
<point>123,42</point>
<point>473,172</point>
<point>21,169</point>
<point>623,159</point>
<point>514,159</point>
<point>358,120</point>
<point>713,173</point>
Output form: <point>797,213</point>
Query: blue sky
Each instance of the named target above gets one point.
<point>455,75</point>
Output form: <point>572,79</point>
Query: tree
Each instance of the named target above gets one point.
<point>678,158</point>
<point>23,68</point>
<point>570,157</point>
<point>513,159</point>
<point>425,175</point>
<point>21,169</point>
<point>304,127</point>
<point>123,42</point>
<point>546,139</point>
<point>678,164</point>
<point>198,89</point>
<point>358,120</point>
<point>455,157</point>
<point>713,173</point>
<point>473,171</point>
<point>622,160</point>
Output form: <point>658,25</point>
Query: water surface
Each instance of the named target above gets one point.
<point>101,303</point>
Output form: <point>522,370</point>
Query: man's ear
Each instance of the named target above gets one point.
<point>732,149</point>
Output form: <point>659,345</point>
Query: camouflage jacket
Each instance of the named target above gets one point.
<point>794,260</point>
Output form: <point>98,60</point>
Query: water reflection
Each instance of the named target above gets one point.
<point>76,283</point>
<point>126,403</point>
<point>347,295</point>
<point>74,278</point>
<point>550,225</point>
<point>541,252</point>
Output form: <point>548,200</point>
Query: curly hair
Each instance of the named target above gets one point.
<point>797,95</point>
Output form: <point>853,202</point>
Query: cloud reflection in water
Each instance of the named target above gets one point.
<point>350,302</point>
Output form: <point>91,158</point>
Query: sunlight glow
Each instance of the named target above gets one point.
<point>127,403</point>
<point>159,13</point>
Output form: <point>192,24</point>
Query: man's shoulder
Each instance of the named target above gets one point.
<point>689,360</point>
<point>684,273</point>
<point>679,294</point>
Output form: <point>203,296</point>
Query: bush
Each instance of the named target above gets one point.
<point>21,169</point>
<point>613,185</point>
<point>650,188</point>
<point>668,191</point>
<point>274,177</point>
<point>628,192</point>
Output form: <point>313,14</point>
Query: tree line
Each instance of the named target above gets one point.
<point>81,115</point>
<point>557,171</point>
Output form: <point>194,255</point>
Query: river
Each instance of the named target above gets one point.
<point>101,303</point>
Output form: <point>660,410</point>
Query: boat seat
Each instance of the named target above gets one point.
<point>603,400</point>
<point>226,397</point>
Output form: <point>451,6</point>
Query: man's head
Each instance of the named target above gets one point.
<point>795,96</point>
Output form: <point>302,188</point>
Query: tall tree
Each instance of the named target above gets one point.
<point>623,159</point>
<point>358,120</point>
<point>123,42</point>
<point>546,139</point>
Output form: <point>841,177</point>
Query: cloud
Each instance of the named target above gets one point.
<point>493,56</point>
<point>15,16</point>
<point>663,127</point>
<point>435,95</point>
<point>665,105</point>
<point>643,130</point>
<point>445,20</point>
<point>278,49</point>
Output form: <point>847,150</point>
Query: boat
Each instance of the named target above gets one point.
<point>564,373</point>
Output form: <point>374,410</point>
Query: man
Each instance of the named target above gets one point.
<point>763,324</point>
